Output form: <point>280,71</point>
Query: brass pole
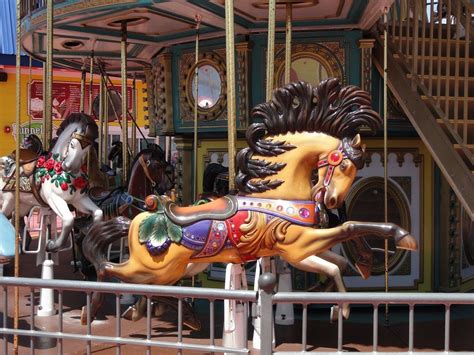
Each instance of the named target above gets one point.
<point>196,102</point>
<point>83,88</point>
<point>48,112</point>
<point>230,74</point>
<point>17,175</point>
<point>134,114</point>
<point>270,48</point>
<point>101,121</point>
<point>106,124</point>
<point>385,149</point>
<point>289,16</point>
<point>91,82</point>
<point>123,46</point>
<point>28,103</point>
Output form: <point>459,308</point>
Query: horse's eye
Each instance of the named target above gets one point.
<point>148,163</point>
<point>343,165</point>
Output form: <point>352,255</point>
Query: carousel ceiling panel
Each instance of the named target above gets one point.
<point>81,27</point>
<point>310,10</point>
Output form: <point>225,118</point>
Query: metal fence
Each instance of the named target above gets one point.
<point>266,296</point>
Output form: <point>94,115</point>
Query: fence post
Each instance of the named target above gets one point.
<point>266,284</point>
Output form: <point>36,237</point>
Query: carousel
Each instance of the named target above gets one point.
<point>253,183</point>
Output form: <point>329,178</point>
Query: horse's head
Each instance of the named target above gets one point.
<point>76,135</point>
<point>337,170</point>
<point>33,142</point>
<point>158,172</point>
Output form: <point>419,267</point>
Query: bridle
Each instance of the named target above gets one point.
<point>332,160</point>
<point>144,164</point>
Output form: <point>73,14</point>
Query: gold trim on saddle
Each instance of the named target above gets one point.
<point>298,212</point>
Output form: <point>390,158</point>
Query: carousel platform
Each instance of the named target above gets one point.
<point>322,336</point>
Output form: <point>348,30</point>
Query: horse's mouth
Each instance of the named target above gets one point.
<point>319,196</point>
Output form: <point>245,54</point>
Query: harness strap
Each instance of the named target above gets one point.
<point>142,162</point>
<point>332,160</point>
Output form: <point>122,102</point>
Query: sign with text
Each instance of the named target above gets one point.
<point>66,98</point>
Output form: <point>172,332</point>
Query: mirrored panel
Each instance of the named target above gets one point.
<point>209,86</point>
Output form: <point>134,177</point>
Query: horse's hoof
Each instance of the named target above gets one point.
<point>51,247</point>
<point>132,313</point>
<point>364,267</point>
<point>406,241</point>
<point>334,316</point>
<point>84,315</point>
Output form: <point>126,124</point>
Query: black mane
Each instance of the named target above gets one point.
<point>299,107</point>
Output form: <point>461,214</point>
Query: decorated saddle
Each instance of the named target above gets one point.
<point>217,225</point>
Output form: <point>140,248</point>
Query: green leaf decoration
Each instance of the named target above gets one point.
<point>146,227</point>
<point>160,232</point>
<point>56,183</point>
<point>174,231</point>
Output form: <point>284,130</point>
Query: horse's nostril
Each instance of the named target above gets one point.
<point>332,201</point>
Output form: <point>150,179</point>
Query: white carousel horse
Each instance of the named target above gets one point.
<point>59,178</point>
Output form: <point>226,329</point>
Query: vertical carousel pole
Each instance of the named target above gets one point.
<point>101,121</point>
<point>235,330</point>
<point>230,74</point>
<point>91,82</point>
<point>105,103</point>
<point>284,314</point>
<point>83,88</point>
<point>46,303</point>
<point>17,175</point>
<point>289,16</point>
<point>123,50</point>
<point>28,92</point>
<point>196,113</point>
<point>270,49</point>
<point>134,114</point>
<point>89,111</point>
<point>48,111</point>
<point>385,149</point>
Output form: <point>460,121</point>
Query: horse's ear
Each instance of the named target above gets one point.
<point>356,141</point>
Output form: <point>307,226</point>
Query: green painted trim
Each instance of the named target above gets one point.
<point>356,10</point>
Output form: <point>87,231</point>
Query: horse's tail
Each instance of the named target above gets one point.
<point>99,237</point>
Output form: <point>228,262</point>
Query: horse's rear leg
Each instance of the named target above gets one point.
<point>318,265</point>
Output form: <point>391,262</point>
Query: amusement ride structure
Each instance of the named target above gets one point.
<point>288,95</point>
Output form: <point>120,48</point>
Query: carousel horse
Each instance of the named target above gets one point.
<point>30,150</point>
<point>302,128</point>
<point>58,179</point>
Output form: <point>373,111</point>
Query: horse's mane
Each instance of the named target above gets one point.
<point>86,122</point>
<point>299,107</point>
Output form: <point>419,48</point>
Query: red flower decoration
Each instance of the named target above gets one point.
<point>64,186</point>
<point>40,162</point>
<point>58,167</point>
<point>79,182</point>
<point>49,164</point>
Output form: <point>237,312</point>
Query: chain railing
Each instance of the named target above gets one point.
<point>433,41</point>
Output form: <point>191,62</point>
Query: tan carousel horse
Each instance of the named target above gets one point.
<point>276,211</point>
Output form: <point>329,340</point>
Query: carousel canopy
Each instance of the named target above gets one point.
<point>81,28</point>
<point>7,27</point>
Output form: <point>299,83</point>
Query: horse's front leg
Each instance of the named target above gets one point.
<point>60,207</point>
<point>85,205</point>
<point>300,242</point>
